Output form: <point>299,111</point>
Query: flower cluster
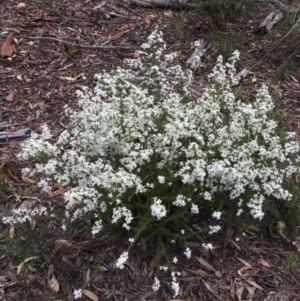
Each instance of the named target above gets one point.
<point>140,151</point>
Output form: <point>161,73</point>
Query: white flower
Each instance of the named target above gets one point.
<point>207,246</point>
<point>158,210</point>
<point>207,196</point>
<point>214,229</point>
<point>217,214</point>
<point>195,209</point>
<point>77,294</point>
<point>161,179</point>
<point>180,201</point>
<point>175,284</point>
<point>97,227</point>
<point>156,284</point>
<point>175,260</point>
<point>145,46</point>
<point>239,212</point>
<point>188,252</point>
<point>163,268</point>
<point>256,206</point>
<point>122,260</point>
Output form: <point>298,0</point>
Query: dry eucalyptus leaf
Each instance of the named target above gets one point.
<point>264,263</point>
<point>255,285</point>
<point>88,274</point>
<point>10,97</point>
<point>117,36</point>
<point>21,6</point>
<point>28,180</point>
<point>7,48</point>
<point>126,26</point>
<point>70,79</point>
<point>11,231</point>
<point>53,284</point>
<point>90,295</point>
<point>20,266</point>
<point>244,262</point>
<point>61,243</point>
<point>169,14</point>
<point>201,273</point>
<point>206,264</point>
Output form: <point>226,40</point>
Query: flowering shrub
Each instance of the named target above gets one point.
<point>145,154</point>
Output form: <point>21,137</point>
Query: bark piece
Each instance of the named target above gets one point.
<point>271,19</point>
<point>23,133</point>
<point>199,53</point>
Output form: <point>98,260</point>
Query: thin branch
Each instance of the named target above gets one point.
<point>83,46</point>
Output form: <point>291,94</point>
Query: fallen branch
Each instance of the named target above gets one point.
<point>84,46</point>
<point>164,3</point>
<point>3,124</point>
<point>23,133</point>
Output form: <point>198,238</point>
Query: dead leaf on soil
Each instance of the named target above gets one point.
<point>187,279</point>
<point>10,96</point>
<point>117,36</point>
<point>255,285</point>
<point>61,243</point>
<point>264,263</point>
<point>21,6</point>
<point>177,300</point>
<point>20,266</point>
<point>11,231</point>
<point>293,78</point>
<point>40,31</point>
<point>169,14</point>
<point>70,79</point>
<point>42,127</point>
<point>13,278</point>
<point>88,274</point>
<point>148,21</point>
<point>53,284</point>
<point>241,270</point>
<point>26,205</point>
<point>205,264</point>
<point>201,273</point>
<point>28,180</point>
<point>59,191</point>
<point>244,262</point>
<point>126,26</point>
<point>209,288</point>
<point>7,48</point>
<point>239,292</point>
<point>90,295</point>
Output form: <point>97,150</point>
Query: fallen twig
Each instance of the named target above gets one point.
<point>84,46</point>
<point>164,3</point>
<point>23,133</point>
